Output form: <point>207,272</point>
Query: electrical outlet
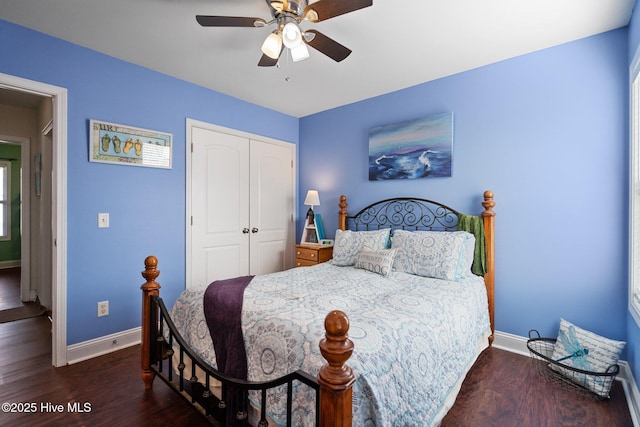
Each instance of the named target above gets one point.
<point>103,308</point>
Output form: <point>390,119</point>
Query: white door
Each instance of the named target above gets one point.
<point>271,212</point>
<point>219,207</point>
<point>242,206</point>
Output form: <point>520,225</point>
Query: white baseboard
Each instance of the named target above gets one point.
<point>102,345</point>
<point>10,264</point>
<point>512,343</point>
<point>518,344</point>
<point>631,391</point>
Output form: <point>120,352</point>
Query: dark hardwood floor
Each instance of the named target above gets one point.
<point>10,288</point>
<point>502,389</point>
<point>110,384</point>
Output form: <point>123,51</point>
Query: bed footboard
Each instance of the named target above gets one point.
<point>164,351</point>
<point>150,289</point>
<point>336,378</point>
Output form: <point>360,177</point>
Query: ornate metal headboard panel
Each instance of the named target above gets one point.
<point>404,213</point>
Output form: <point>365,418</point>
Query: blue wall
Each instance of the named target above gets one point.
<point>146,206</point>
<point>547,132</point>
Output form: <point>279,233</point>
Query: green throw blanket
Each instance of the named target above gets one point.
<point>475,226</point>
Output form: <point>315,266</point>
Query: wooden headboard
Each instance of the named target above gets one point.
<point>422,214</point>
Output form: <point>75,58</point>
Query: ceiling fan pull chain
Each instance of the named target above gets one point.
<point>287,68</point>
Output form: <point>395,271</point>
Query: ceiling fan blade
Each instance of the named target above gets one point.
<point>229,21</point>
<point>267,61</point>
<point>328,46</point>
<point>325,9</point>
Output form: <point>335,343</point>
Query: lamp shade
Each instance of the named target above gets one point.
<point>272,46</point>
<point>291,35</point>
<point>299,53</point>
<point>312,199</point>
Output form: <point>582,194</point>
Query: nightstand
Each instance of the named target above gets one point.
<point>307,255</point>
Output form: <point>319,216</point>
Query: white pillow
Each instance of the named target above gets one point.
<point>348,243</point>
<point>377,261</point>
<point>581,349</point>
<point>466,260</point>
<point>437,254</point>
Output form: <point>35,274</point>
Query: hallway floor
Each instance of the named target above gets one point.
<point>10,288</point>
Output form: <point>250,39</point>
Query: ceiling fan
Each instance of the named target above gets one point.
<point>287,15</point>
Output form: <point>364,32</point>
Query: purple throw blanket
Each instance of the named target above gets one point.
<point>223,312</point>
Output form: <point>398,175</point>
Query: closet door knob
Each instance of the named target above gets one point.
<point>245,230</point>
<point>254,230</point>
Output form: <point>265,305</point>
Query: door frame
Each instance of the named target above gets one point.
<point>58,208</point>
<point>190,123</point>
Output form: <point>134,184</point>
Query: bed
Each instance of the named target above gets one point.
<point>414,330</point>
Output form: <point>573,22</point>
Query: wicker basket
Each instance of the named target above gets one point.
<point>595,384</point>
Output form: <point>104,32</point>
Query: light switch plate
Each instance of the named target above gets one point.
<point>103,220</point>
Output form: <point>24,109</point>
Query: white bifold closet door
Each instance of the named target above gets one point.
<point>242,206</point>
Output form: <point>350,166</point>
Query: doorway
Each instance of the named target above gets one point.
<point>15,215</point>
<point>57,243</point>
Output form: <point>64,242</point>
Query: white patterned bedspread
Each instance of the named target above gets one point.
<point>414,337</point>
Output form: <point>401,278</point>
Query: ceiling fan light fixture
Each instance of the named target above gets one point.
<point>299,53</point>
<point>272,45</point>
<point>278,6</point>
<point>308,36</point>
<point>311,15</point>
<point>291,35</point>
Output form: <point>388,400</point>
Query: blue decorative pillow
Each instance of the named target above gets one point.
<point>434,254</point>
<point>348,244</point>
<point>377,261</point>
<point>581,349</point>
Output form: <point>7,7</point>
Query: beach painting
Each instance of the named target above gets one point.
<point>420,148</point>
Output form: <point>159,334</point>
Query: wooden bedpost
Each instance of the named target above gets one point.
<point>488,218</point>
<point>335,378</point>
<point>342,213</point>
<point>149,289</point>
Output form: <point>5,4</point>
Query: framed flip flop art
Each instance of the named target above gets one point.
<point>128,145</point>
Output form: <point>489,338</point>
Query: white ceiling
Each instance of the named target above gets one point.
<point>395,44</point>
